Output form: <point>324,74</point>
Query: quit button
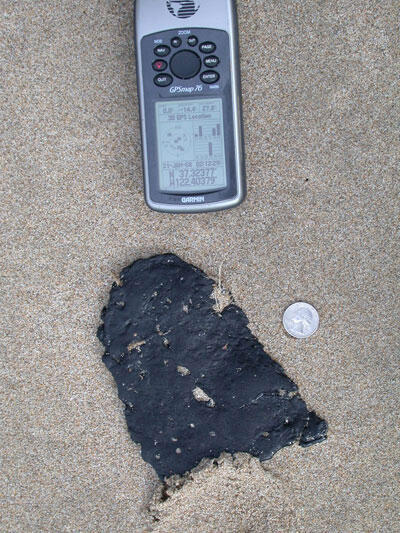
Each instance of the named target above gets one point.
<point>163,80</point>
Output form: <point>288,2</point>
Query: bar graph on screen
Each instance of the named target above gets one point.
<point>208,141</point>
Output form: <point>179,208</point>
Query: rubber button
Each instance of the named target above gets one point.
<point>185,64</point>
<point>176,42</point>
<point>160,65</point>
<point>211,61</point>
<point>209,76</point>
<point>163,80</point>
<point>162,50</point>
<point>192,40</point>
<point>208,47</point>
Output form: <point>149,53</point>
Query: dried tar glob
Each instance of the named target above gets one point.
<point>195,382</point>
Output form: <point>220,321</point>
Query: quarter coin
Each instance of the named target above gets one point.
<point>301,320</point>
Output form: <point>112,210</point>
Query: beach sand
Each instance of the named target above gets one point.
<point>320,102</point>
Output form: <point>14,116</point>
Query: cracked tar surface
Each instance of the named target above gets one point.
<point>195,383</point>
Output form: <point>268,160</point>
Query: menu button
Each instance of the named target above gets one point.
<point>211,61</point>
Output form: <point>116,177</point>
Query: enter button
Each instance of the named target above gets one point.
<point>209,76</point>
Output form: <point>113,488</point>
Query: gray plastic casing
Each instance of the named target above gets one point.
<point>153,16</point>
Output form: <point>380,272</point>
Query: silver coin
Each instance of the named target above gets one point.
<point>301,320</point>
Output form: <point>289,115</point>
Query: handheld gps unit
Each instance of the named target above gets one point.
<point>189,93</point>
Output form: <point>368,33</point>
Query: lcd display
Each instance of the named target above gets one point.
<point>191,148</point>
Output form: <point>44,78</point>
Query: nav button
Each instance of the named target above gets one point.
<point>162,50</point>
<point>163,80</point>
<point>209,76</point>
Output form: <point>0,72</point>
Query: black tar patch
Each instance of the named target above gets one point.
<point>195,383</point>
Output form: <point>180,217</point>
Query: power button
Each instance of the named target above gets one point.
<point>159,65</point>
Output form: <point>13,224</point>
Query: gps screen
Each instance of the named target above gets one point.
<point>191,148</point>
